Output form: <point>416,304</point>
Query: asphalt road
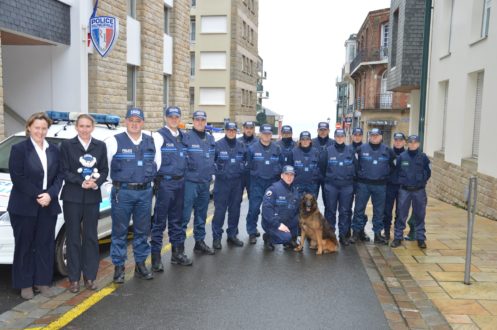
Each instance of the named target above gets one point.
<point>245,288</point>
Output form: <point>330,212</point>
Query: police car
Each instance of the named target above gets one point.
<point>62,129</point>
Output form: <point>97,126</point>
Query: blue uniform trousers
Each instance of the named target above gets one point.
<point>392,195</point>
<point>377,194</point>
<point>281,237</point>
<point>418,200</point>
<point>126,203</point>
<point>168,212</point>
<point>34,249</point>
<point>197,198</point>
<point>227,197</point>
<point>258,188</point>
<point>341,198</point>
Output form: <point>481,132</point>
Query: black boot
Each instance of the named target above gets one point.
<point>234,241</point>
<point>141,271</point>
<point>216,244</point>
<point>119,274</point>
<point>291,245</point>
<point>363,237</point>
<point>421,244</point>
<point>386,233</point>
<point>201,247</point>
<point>253,238</point>
<point>178,257</point>
<point>355,237</point>
<point>344,240</point>
<point>268,246</point>
<point>379,239</point>
<point>395,243</point>
<point>157,265</point>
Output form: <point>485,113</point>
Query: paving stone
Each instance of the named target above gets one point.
<point>465,327</point>
<point>61,309</point>
<point>52,304</point>
<point>397,325</point>
<point>417,324</point>
<point>458,319</point>
<point>459,306</point>
<point>489,305</point>
<point>448,276</point>
<point>37,313</point>
<point>20,323</point>
<point>393,316</point>
<point>411,314</point>
<point>457,268</point>
<point>485,277</point>
<point>46,319</point>
<point>11,315</point>
<point>478,290</point>
<point>439,260</point>
<point>485,322</point>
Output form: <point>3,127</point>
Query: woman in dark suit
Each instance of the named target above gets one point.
<point>84,165</point>
<point>33,207</point>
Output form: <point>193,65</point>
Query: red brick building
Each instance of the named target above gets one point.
<point>375,105</point>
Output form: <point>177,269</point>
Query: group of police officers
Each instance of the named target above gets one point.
<point>177,167</point>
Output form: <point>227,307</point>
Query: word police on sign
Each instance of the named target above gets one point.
<point>104,33</point>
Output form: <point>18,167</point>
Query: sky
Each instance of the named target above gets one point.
<point>302,46</point>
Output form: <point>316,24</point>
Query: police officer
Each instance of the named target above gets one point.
<point>399,141</point>
<point>286,143</point>
<point>305,160</point>
<point>200,169</point>
<point>357,134</point>
<point>375,162</point>
<point>230,159</point>
<point>131,156</point>
<point>247,139</point>
<point>322,141</point>
<point>265,162</point>
<point>280,212</point>
<point>170,191</point>
<point>339,172</point>
<point>414,172</point>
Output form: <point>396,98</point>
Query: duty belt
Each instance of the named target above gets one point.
<point>173,177</point>
<point>131,186</point>
<point>411,188</point>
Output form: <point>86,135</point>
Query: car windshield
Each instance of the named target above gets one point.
<point>8,143</point>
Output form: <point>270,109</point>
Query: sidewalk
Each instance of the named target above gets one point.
<point>439,270</point>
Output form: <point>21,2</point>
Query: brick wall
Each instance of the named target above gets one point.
<point>449,181</point>
<point>179,93</point>
<point>46,19</point>
<point>2,120</point>
<point>107,76</point>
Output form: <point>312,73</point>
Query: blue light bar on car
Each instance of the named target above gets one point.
<point>58,115</point>
<point>105,119</point>
<point>72,116</point>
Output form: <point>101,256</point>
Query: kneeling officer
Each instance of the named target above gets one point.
<point>280,212</point>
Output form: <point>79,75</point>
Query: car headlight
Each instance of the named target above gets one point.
<point>4,218</point>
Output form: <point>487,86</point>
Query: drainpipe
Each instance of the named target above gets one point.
<point>424,72</point>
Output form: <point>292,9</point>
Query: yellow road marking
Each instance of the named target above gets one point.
<point>86,304</point>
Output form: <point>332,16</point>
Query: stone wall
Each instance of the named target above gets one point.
<point>179,92</point>
<point>449,182</point>
<point>107,77</point>
<point>2,120</point>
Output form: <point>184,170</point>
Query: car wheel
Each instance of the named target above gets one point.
<point>60,253</point>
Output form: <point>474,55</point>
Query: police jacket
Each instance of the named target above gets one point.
<point>286,149</point>
<point>265,162</point>
<point>230,159</point>
<point>394,175</point>
<point>306,164</point>
<point>280,205</point>
<point>322,144</point>
<point>339,164</point>
<point>414,169</point>
<point>173,154</point>
<point>133,163</point>
<point>246,141</point>
<point>199,156</point>
<point>375,162</point>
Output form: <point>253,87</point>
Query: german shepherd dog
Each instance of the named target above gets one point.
<point>315,227</point>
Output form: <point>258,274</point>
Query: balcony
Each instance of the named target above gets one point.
<point>365,55</point>
<point>383,100</point>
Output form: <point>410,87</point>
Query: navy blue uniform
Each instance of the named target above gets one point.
<point>286,147</point>
<point>265,164</point>
<point>280,206</point>
<point>322,145</point>
<point>230,158</point>
<point>339,173</point>
<point>199,170</point>
<point>170,195</point>
<point>374,165</point>
<point>392,196</point>
<point>307,172</point>
<point>132,170</point>
<point>246,141</point>
<point>414,172</point>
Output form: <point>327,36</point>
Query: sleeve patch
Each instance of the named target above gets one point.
<point>269,193</point>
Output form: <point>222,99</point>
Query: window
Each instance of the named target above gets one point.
<point>445,103</point>
<point>243,63</point>
<point>132,8</point>
<point>487,5</point>
<point>166,19</point>
<point>251,98</point>
<point>251,68</point>
<point>395,30</point>
<point>193,3</point>
<point>213,24</point>
<point>476,129</point>
<point>192,98</point>
<point>446,26</point>
<point>212,96</point>
<point>131,86</point>
<point>244,32</point>
<point>212,60</point>
<point>252,36</point>
<point>192,65</point>
<point>165,91</point>
<point>384,41</point>
<point>193,28</point>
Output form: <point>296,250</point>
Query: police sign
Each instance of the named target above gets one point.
<point>104,33</point>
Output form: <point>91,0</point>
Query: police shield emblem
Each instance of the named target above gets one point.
<point>104,33</point>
